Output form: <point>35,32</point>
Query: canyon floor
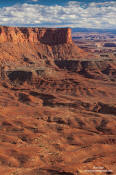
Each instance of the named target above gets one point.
<point>57,116</point>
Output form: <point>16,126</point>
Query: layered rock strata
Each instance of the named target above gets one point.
<point>49,36</point>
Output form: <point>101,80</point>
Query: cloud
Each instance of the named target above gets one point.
<point>34,0</point>
<point>73,14</point>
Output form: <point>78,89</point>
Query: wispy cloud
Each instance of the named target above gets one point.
<point>95,15</point>
<point>34,0</point>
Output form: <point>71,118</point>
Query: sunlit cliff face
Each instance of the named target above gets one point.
<point>43,35</point>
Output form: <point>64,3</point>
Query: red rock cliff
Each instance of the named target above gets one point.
<point>44,35</point>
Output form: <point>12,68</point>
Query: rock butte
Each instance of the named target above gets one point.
<point>43,35</point>
<point>54,43</point>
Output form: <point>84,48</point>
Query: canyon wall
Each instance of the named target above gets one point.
<point>49,36</point>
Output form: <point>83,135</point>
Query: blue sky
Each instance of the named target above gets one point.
<point>59,13</point>
<point>45,2</point>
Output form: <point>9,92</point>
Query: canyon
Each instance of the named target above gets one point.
<point>57,105</point>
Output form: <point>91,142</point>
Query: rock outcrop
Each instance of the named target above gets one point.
<point>37,45</point>
<point>50,36</point>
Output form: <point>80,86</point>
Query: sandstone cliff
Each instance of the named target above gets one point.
<point>49,36</point>
<point>37,44</point>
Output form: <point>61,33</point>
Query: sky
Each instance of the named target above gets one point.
<point>59,13</point>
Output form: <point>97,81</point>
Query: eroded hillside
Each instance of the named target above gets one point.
<point>57,107</point>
